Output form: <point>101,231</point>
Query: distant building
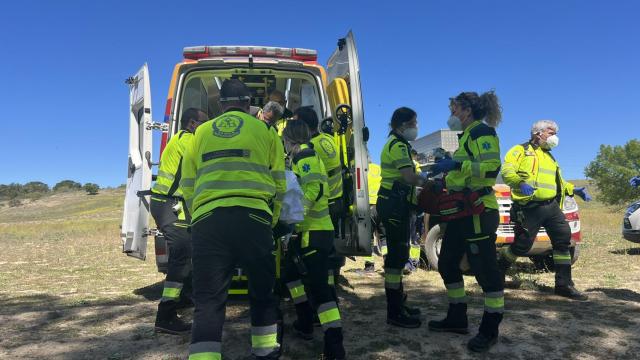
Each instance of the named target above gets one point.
<point>441,139</point>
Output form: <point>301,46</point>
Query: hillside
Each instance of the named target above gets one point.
<point>67,292</point>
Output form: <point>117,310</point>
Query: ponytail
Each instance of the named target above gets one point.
<point>484,107</point>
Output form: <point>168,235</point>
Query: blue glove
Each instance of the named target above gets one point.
<point>635,181</point>
<point>582,192</point>
<point>444,165</point>
<point>526,189</point>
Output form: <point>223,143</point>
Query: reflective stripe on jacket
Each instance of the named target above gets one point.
<point>326,148</point>
<point>311,174</point>
<point>479,155</point>
<point>538,168</point>
<point>234,160</point>
<point>169,171</point>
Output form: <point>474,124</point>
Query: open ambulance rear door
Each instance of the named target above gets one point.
<point>345,99</point>
<point>135,218</point>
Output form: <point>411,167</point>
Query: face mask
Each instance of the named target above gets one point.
<point>551,142</point>
<point>454,123</point>
<point>410,134</point>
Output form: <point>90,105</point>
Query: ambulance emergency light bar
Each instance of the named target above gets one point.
<point>201,52</point>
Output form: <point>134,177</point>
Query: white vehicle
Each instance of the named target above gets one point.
<point>295,72</point>
<point>631,223</point>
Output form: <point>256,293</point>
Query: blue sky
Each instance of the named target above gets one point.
<point>65,105</point>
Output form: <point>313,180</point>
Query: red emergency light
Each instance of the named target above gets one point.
<point>201,52</point>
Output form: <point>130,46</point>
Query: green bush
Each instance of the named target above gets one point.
<point>611,170</point>
<point>91,188</point>
<point>67,185</point>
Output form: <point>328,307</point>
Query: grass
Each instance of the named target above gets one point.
<point>68,245</point>
<point>66,287</point>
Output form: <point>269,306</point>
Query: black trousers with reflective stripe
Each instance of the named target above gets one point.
<point>316,260</point>
<point>461,237</point>
<point>531,218</point>
<point>229,236</point>
<point>178,241</point>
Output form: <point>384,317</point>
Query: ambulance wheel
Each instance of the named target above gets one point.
<point>432,247</point>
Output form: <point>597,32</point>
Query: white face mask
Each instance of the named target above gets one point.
<point>409,134</point>
<point>454,123</point>
<point>551,142</point>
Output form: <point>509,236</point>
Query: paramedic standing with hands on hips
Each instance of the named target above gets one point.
<point>472,173</point>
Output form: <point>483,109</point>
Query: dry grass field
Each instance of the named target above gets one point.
<point>67,292</point>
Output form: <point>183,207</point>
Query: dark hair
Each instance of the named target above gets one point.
<point>309,116</point>
<point>484,107</point>
<point>234,88</point>
<point>187,116</point>
<point>401,116</point>
<point>296,133</point>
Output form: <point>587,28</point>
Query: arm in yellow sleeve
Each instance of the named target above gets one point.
<point>511,165</point>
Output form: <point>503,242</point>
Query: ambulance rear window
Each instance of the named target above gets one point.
<point>201,89</point>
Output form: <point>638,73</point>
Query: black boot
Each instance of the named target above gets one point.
<point>564,284</point>
<point>455,322</point>
<point>167,320</point>
<point>333,347</point>
<point>413,312</point>
<point>396,313</point>
<point>303,326</point>
<point>488,333</point>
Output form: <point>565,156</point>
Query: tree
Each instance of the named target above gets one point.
<point>35,187</point>
<point>67,185</point>
<point>11,191</point>
<point>612,169</point>
<point>91,188</point>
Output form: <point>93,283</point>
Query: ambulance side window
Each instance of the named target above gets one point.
<point>195,96</point>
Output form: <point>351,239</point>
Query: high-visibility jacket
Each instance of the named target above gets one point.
<point>373,182</point>
<point>169,172</point>
<point>326,148</point>
<point>479,155</point>
<point>396,155</point>
<point>234,160</point>
<point>312,176</point>
<point>538,168</point>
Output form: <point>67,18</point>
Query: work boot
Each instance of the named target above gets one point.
<point>455,322</point>
<point>167,320</point>
<point>569,291</point>
<point>414,312</point>
<point>404,320</point>
<point>488,333</point>
<point>481,342</point>
<point>333,347</point>
<point>564,284</point>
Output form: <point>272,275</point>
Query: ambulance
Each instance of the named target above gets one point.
<point>333,91</point>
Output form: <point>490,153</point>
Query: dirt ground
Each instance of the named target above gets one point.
<point>67,292</point>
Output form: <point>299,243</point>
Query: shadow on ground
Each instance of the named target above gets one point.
<point>122,328</point>
<point>630,251</point>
